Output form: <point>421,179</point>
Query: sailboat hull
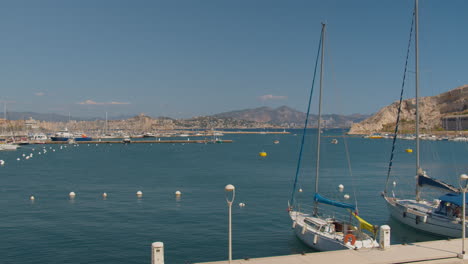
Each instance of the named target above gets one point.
<point>313,237</point>
<point>421,216</point>
<point>7,146</point>
<point>323,238</point>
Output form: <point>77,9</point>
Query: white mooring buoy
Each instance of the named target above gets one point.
<point>18,159</point>
<point>32,198</point>
<point>341,187</point>
<point>241,204</point>
<point>178,193</point>
<point>2,162</point>
<point>346,196</point>
<point>300,189</point>
<point>104,195</point>
<point>72,195</point>
<point>139,193</point>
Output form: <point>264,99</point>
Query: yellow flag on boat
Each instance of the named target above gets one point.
<point>363,224</point>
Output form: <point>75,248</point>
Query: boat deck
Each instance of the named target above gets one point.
<point>439,251</point>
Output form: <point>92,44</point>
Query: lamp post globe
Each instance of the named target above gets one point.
<point>230,187</point>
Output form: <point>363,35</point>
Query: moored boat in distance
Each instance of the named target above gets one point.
<point>83,137</point>
<point>126,139</point>
<point>62,135</point>
<point>38,138</point>
<point>8,146</point>
<point>149,135</point>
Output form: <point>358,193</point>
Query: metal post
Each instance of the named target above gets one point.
<point>416,47</point>
<point>230,231</point>
<point>230,188</point>
<point>463,223</point>
<point>463,177</point>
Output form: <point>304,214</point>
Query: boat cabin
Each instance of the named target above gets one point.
<point>451,205</point>
<point>320,224</point>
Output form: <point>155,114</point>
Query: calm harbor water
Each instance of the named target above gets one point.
<point>120,229</point>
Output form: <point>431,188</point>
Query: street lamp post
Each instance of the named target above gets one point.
<point>230,189</point>
<point>463,188</point>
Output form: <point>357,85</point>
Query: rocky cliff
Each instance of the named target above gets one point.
<point>431,110</point>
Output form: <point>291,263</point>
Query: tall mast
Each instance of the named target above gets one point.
<point>106,125</point>
<point>416,40</point>
<point>319,127</point>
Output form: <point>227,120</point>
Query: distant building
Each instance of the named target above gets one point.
<point>455,122</point>
<point>31,123</point>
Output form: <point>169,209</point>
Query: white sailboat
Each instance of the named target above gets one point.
<point>6,145</point>
<point>312,226</point>
<point>438,216</point>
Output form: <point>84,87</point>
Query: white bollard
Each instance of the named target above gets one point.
<point>384,237</point>
<point>157,253</point>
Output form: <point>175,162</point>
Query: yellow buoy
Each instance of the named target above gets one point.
<point>262,154</point>
<point>409,150</point>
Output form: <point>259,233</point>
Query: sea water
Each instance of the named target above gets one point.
<point>120,229</point>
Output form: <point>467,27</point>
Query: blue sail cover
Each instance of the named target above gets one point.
<point>424,180</point>
<point>454,198</point>
<point>321,199</point>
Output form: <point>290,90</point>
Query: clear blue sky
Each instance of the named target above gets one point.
<point>187,58</point>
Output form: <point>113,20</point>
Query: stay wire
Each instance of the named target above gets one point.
<point>399,105</point>
<point>306,120</point>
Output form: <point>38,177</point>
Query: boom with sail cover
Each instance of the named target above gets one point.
<point>320,199</point>
<point>426,181</point>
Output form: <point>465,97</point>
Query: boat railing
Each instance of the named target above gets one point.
<point>325,211</point>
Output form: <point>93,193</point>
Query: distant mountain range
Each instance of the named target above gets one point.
<point>56,117</point>
<point>289,117</point>
<point>281,116</point>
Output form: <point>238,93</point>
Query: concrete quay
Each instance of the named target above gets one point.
<point>202,141</point>
<point>256,132</point>
<point>438,251</point>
